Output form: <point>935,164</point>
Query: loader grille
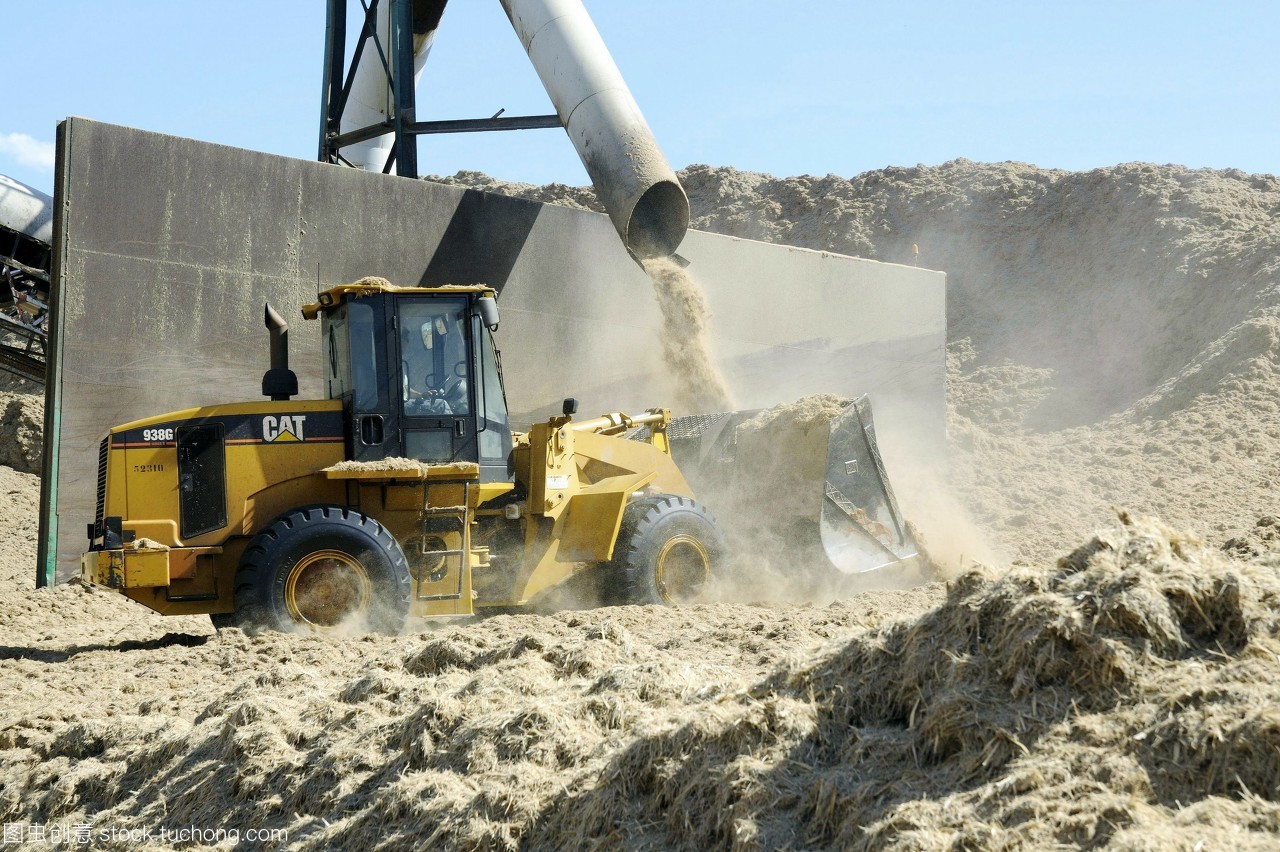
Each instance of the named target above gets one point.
<point>101,509</point>
<point>694,425</point>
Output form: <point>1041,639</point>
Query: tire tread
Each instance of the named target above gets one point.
<point>256,566</point>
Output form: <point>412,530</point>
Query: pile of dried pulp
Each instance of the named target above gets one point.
<point>1107,680</point>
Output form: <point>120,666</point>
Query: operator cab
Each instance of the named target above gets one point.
<point>418,374</point>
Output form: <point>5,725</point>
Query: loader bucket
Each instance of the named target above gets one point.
<point>861,527</point>
<point>819,485</point>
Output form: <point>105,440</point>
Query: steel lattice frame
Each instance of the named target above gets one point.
<point>408,18</point>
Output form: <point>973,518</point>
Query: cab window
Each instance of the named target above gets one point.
<point>434,368</point>
<point>495,440</point>
<point>352,366</point>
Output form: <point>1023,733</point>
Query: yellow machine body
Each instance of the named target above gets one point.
<point>182,494</point>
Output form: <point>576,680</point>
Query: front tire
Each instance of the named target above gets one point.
<point>319,568</point>
<point>668,550</point>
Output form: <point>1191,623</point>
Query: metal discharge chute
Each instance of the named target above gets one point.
<point>636,185</point>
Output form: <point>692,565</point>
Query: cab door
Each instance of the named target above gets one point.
<point>436,378</point>
<point>357,371</point>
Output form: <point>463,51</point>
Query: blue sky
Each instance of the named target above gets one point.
<point>786,88</point>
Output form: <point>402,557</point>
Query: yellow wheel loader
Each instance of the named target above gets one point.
<point>404,492</point>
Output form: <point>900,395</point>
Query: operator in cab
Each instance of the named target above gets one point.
<point>433,357</point>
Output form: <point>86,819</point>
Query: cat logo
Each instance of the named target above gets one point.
<point>285,428</point>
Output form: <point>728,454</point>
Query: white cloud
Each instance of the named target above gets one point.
<point>27,150</point>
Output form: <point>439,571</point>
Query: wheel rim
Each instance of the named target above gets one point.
<point>326,587</point>
<point>683,568</point>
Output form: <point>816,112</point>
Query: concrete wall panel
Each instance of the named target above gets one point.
<point>166,248</point>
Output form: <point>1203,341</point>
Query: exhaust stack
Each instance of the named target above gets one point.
<point>637,186</point>
<point>280,383</point>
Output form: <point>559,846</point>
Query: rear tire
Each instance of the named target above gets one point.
<point>668,550</point>
<point>319,568</point>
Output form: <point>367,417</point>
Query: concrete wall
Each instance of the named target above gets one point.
<point>166,248</point>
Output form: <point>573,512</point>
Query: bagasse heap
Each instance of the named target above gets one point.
<point>1123,694</point>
